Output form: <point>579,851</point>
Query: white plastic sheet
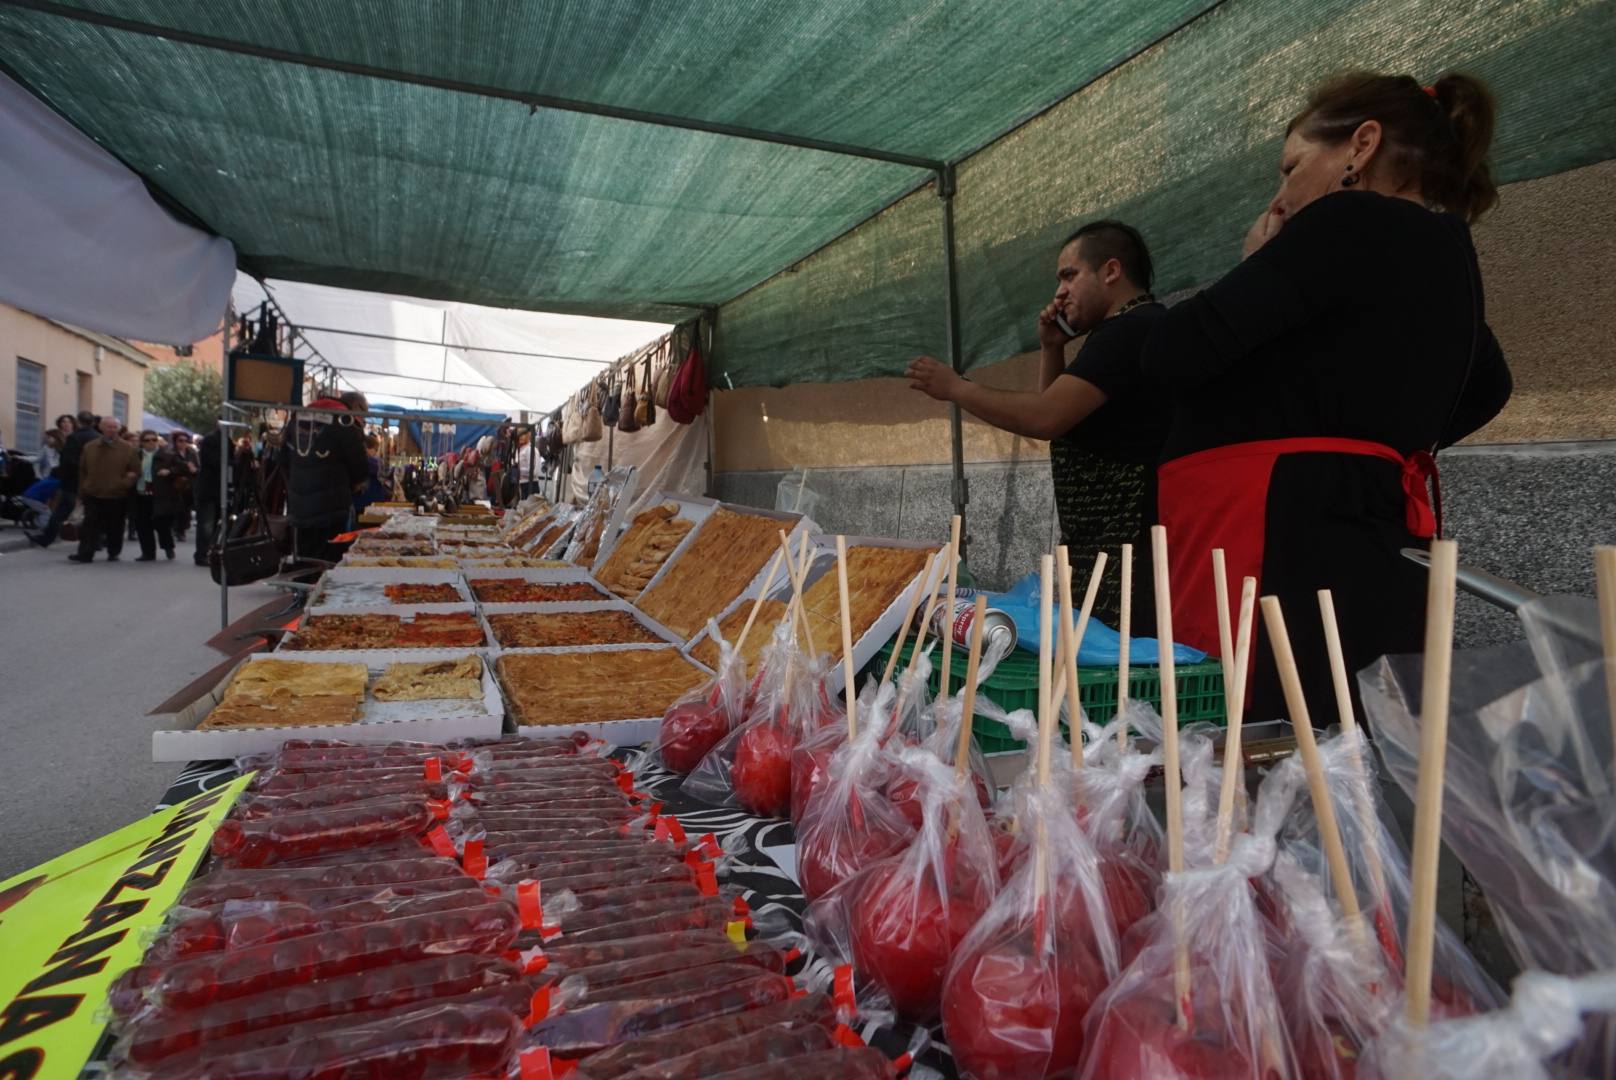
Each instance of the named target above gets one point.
<point>85,242</point>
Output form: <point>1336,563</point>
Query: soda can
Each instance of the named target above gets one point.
<point>996,625</point>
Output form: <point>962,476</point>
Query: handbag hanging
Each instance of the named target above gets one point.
<point>593,429</point>
<point>610,406</point>
<point>628,419</point>
<point>664,379</point>
<point>645,411</point>
<point>572,423</point>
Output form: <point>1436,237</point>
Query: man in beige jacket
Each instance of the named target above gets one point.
<point>107,472</point>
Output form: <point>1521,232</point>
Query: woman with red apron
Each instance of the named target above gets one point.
<point>1313,384</point>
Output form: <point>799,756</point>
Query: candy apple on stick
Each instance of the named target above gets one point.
<point>1198,1000</point>
<point>1021,981</point>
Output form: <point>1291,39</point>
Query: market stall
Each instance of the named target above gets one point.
<point>489,804</point>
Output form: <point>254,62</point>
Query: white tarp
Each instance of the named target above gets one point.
<point>453,366</point>
<point>84,242</point>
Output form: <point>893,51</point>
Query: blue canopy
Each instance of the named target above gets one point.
<point>469,426</point>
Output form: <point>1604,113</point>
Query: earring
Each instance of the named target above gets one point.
<point>1348,180</point>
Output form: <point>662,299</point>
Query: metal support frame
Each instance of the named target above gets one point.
<point>956,356</point>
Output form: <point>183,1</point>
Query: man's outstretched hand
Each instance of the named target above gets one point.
<point>933,378</point>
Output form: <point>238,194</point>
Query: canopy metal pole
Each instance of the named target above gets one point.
<point>956,357</point>
<point>221,522</point>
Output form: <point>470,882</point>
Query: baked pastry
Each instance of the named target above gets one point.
<point>548,630</point>
<point>552,534</point>
<point>261,679</point>
<point>411,592</point>
<point>377,546</point>
<point>420,562</point>
<point>876,576</point>
<point>591,687</point>
<point>285,693</point>
<point>424,630</point>
<point>433,680</point>
<point>769,616</point>
<point>727,553</point>
<point>314,710</point>
<point>518,560</point>
<point>517,591</point>
<point>643,548</point>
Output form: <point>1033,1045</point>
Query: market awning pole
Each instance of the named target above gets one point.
<point>221,521</point>
<point>956,358</point>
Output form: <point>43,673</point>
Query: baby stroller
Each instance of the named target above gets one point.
<point>24,497</point>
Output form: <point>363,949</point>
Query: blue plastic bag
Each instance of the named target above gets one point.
<point>1100,645</point>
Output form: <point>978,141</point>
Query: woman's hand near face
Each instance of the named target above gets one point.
<point>1264,229</point>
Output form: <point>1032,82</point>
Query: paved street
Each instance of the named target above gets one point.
<point>85,653</point>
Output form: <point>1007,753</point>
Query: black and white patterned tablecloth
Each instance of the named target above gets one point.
<point>758,849</point>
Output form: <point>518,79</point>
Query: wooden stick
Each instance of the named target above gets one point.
<point>1046,726</point>
<point>768,583</point>
<point>1045,723</point>
<point>1173,777</point>
<point>802,488</point>
<point>1290,680</point>
<point>797,573</point>
<point>1220,593</point>
<point>847,637</point>
<point>935,598</point>
<point>1349,724</point>
<point>1234,767</point>
<point>1433,760</point>
<point>802,607</point>
<point>953,585</point>
<point>1124,645</point>
<point>973,664</point>
<point>1605,587</point>
<point>909,614</point>
<point>1069,659</point>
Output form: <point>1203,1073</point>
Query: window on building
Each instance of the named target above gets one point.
<point>182,350</point>
<point>30,406</point>
<point>120,407</point>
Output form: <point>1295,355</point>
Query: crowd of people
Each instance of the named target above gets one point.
<point>129,485</point>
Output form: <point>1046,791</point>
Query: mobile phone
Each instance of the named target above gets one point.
<point>1066,327</point>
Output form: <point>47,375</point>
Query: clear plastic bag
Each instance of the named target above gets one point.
<point>1524,1041</point>
<point>697,722</point>
<point>849,823</point>
<point>1198,999</point>
<point>796,1013</point>
<point>1333,986</point>
<point>1020,983</point>
<point>751,766</point>
<point>906,914</point>
<point>1380,874</point>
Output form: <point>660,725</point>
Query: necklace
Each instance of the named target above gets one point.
<point>1138,301</point>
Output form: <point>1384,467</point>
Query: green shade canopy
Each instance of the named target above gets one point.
<point>771,158</point>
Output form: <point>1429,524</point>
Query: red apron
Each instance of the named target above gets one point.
<point>1218,498</point>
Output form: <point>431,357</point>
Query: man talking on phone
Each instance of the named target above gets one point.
<point>1104,421</point>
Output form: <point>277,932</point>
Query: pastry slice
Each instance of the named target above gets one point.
<point>430,681</point>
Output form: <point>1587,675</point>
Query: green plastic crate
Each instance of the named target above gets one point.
<point>1014,685</point>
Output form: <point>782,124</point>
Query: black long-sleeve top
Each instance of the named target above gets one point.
<point>1356,321</point>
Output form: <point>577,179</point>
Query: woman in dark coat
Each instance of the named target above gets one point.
<point>1315,381</point>
<point>155,498</point>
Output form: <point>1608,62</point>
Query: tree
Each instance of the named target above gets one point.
<point>185,392</point>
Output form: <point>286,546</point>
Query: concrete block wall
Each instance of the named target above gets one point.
<point>1529,513</point>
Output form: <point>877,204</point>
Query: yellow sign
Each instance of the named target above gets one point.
<point>69,927</point>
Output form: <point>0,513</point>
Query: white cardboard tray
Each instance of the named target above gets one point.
<point>181,742</point>
<point>822,560</point>
<point>793,524</point>
<point>405,610</point>
<point>663,633</point>
<point>325,603</point>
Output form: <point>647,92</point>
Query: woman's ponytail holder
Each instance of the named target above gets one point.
<point>1429,90</point>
